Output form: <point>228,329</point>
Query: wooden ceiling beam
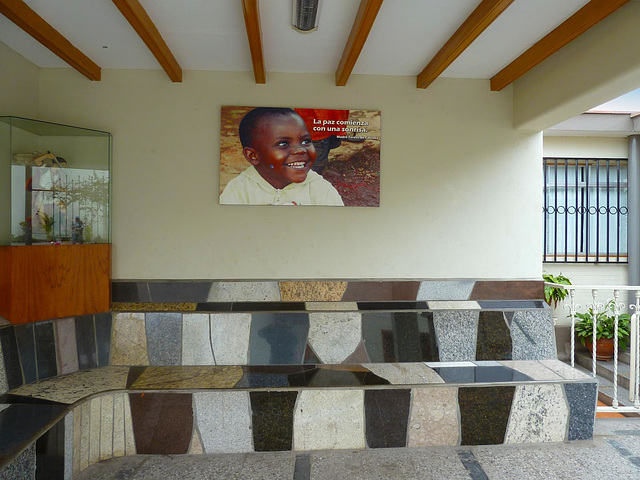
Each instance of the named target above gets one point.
<point>367,13</point>
<point>581,21</point>
<point>473,26</point>
<point>251,13</point>
<point>23,16</point>
<point>139,19</point>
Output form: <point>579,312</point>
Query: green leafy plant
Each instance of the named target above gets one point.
<point>47,224</point>
<point>605,322</point>
<point>555,294</point>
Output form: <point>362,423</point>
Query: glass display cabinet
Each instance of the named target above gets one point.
<point>55,184</point>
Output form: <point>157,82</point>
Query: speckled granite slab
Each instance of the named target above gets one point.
<point>195,377</point>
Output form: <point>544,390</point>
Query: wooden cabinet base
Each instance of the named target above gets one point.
<point>40,282</point>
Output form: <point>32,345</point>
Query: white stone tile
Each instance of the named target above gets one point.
<point>533,368</point>
<point>84,439</point>
<point>129,340</point>
<point>332,306</point>
<point>129,439</point>
<point>224,421</point>
<point>454,305</point>
<point>449,364</point>
<point>434,417</point>
<point>404,373</point>
<point>445,289</point>
<point>244,292</point>
<point>196,447</point>
<point>196,340</point>
<point>334,336</point>
<point>106,426</point>
<point>457,334</point>
<point>539,413</point>
<point>565,370</point>
<point>68,445</point>
<point>77,438</point>
<point>118,425</point>
<point>329,419</point>
<point>94,431</point>
<point>230,337</point>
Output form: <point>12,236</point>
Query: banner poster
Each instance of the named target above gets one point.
<point>299,156</point>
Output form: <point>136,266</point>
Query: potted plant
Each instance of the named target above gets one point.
<point>555,294</point>
<point>605,324</point>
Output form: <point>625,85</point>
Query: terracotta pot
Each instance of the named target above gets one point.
<point>604,348</point>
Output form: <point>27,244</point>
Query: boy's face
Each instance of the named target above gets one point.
<point>281,150</point>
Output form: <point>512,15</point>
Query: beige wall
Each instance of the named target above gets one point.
<point>586,147</point>
<point>460,188</point>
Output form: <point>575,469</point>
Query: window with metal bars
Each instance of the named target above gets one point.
<point>585,209</point>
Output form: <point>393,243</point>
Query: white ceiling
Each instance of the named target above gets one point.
<point>210,35</point>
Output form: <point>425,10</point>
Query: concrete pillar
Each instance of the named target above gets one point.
<point>633,216</point>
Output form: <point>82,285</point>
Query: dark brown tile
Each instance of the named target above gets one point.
<point>484,414</point>
<point>162,422</point>
<point>387,416</point>
<point>381,291</point>
<point>272,420</point>
<point>494,337</point>
<point>508,290</point>
<point>359,355</point>
<point>45,350</point>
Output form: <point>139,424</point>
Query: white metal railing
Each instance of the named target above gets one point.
<point>614,306</point>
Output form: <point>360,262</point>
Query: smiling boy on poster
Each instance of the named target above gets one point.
<point>277,144</point>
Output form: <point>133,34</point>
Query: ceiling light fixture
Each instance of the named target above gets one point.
<point>305,15</point>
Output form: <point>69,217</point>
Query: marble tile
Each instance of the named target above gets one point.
<point>200,377</point>
<point>196,447</point>
<point>484,414</point>
<point>434,417</point>
<point>494,337</point>
<point>457,335</point>
<point>77,435</point>
<point>399,336</point>
<point>68,445</point>
<point>11,357</point>
<point>27,351</point>
<point>386,290</point>
<point>71,388</point>
<point>196,340</point>
<point>230,337</point>
<point>386,414</point>
<point>334,336</point>
<point>162,422</point>
<point>129,439</point>
<point>533,335</point>
<point>244,292</point>
<point>404,373</point>
<point>154,307</point>
<point>164,338</point>
<point>272,420</point>
<point>129,340</point>
<point>4,385</point>
<point>539,413</point>
<point>118,425</point>
<point>329,419</point>
<point>23,467</point>
<point>103,323</point>
<point>66,347</point>
<point>566,371</point>
<point>130,292</point>
<point>581,398</point>
<point>359,355</point>
<point>107,418</point>
<point>45,350</point>
<point>332,306</point>
<point>312,291</point>
<point>278,338</point>
<point>94,430</point>
<point>86,342</point>
<point>179,291</point>
<point>508,290</point>
<point>85,423</point>
<point>445,289</point>
<point>454,305</point>
<point>533,368</point>
<point>224,421</point>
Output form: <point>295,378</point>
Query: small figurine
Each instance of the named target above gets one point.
<point>76,231</point>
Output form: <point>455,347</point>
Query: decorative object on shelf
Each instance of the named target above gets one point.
<point>605,330</point>
<point>76,228</point>
<point>555,294</point>
<point>37,159</point>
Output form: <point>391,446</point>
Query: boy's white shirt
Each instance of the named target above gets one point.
<point>249,188</point>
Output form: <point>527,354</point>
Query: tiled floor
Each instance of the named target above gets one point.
<point>613,454</point>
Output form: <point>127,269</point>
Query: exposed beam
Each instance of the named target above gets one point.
<point>574,26</point>
<point>139,19</point>
<point>473,26</point>
<point>254,35</point>
<point>362,25</point>
<point>23,16</point>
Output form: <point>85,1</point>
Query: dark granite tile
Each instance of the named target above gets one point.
<point>500,304</point>
<point>164,338</point>
<point>134,374</point>
<point>272,420</point>
<point>359,355</point>
<point>179,291</point>
<point>581,398</point>
<point>481,374</point>
<point>130,292</point>
<point>302,467</point>
<point>268,306</point>
<point>494,337</point>
<point>26,422</point>
<point>336,377</point>
<point>262,376</point>
<point>381,291</point>
<point>162,423</point>
<point>23,467</point>
<point>310,356</point>
<point>508,290</point>
<point>484,414</point>
<point>103,323</point>
<point>386,415</point>
<point>214,307</point>
<point>86,342</point>
<point>11,357</point>
<point>392,305</point>
<point>400,337</point>
<point>50,453</point>
<point>278,338</point>
<point>27,351</point>
<point>45,350</point>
